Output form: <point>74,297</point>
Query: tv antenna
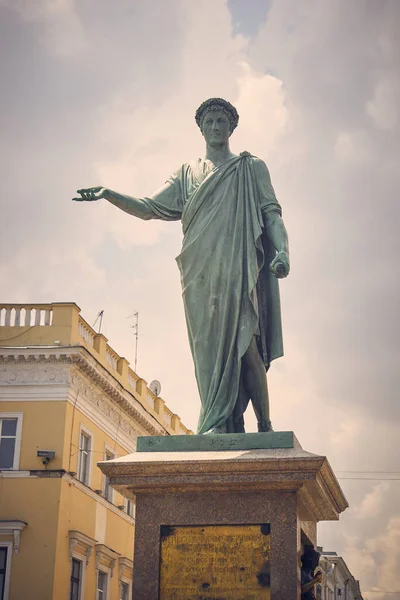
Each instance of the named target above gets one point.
<point>99,316</point>
<point>135,328</point>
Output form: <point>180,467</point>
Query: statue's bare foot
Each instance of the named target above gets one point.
<point>238,425</point>
<point>264,426</point>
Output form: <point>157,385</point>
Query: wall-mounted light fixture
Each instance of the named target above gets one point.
<point>46,455</point>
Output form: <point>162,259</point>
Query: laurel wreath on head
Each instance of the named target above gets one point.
<point>217,104</point>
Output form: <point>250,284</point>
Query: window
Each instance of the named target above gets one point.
<point>6,552</point>
<point>102,581</point>
<point>10,440</point>
<point>76,579</point>
<point>85,446</point>
<point>108,491</point>
<point>3,570</point>
<point>130,508</point>
<point>124,590</point>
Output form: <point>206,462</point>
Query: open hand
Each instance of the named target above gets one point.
<point>91,194</point>
<point>280,266</point>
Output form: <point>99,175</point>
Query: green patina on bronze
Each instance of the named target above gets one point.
<point>234,250</point>
<point>208,443</point>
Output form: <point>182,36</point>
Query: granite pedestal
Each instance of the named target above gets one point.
<point>285,489</point>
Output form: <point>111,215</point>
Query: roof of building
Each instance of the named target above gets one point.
<point>58,327</point>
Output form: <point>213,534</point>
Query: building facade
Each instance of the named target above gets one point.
<point>337,581</point>
<point>67,401</point>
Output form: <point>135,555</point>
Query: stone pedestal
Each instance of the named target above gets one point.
<point>281,492</point>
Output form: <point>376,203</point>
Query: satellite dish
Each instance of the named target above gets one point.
<point>155,387</point>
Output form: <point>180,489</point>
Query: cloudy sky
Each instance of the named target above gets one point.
<point>99,92</point>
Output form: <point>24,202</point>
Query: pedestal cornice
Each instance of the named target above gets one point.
<point>286,469</point>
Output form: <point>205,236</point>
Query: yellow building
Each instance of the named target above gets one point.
<point>67,401</point>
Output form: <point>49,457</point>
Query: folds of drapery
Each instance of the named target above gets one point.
<point>228,291</point>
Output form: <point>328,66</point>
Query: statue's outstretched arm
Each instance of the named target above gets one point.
<point>131,205</point>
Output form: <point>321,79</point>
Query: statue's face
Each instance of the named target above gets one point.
<point>216,127</point>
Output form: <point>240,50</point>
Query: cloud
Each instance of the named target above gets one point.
<point>352,148</point>
<point>96,93</point>
<point>376,559</point>
<point>61,31</point>
<point>372,502</point>
<point>384,106</point>
<point>261,100</point>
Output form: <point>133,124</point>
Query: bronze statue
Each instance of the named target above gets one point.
<point>234,249</point>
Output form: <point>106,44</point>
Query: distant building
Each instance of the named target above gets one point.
<point>337,581</point>
<point>67,401</point>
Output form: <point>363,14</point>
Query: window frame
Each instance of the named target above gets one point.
<point>126,506</point>
<point>86,432</point>
<point>106,480</point>
<point>81,559</point>
<point>9,547</point>
<point>18,437</point>
<point>122,582</point>
<point>105,572</point>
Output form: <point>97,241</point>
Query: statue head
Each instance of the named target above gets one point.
<point>214,106</point>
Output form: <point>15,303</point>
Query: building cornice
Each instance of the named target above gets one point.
<point>114,390</point>
<point>13,528</point>
<point>125,567</point>
<point>80,540</point>
<point>85,363</point>
<point>106,556</point>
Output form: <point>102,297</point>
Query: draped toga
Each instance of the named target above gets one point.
<point>229,294</point>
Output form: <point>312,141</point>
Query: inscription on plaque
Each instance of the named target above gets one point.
<point>215,562</point>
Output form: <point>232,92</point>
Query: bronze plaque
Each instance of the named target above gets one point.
<point>215,562</point>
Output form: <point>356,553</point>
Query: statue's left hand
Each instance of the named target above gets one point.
<point>280,266</point>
